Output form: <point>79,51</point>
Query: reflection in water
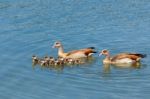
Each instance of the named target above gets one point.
<point>135,65</point>
<point>57,67</point>
<point>31,26</point>
<point>107,67</point>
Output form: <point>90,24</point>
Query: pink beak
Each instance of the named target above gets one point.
<point>100,54</point>
<point>53,46</point>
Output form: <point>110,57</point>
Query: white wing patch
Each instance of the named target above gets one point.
<point>125,61</point>
<point>90,54</point>
<point>77,55</point>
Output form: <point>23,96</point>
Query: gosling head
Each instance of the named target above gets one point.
<point>43,62</point>
<point>70,61</point>
<point>35,59</point>
<point>57,63</point>
<point>46,58</point>
<point>51,58</point>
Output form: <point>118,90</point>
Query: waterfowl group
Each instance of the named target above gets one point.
<point>75,56</point>
<point>51,61</point>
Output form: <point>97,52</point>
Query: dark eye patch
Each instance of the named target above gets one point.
<point>104,51</point>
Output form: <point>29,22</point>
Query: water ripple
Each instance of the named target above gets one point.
<point>31,27</point>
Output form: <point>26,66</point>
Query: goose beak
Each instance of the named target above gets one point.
<point>100,54</point>
<point>53,46</point>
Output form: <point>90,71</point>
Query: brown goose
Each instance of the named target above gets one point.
<point>75,53</point>
<point>122,58</point>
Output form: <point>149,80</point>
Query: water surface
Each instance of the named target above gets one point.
<point>30,27</point>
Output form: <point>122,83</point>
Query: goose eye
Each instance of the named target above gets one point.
<point>57,43</point>
<point>104,51</point>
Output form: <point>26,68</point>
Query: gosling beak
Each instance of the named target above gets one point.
<point>100,54</point>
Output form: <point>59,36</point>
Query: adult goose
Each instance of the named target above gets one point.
<point>75,54</point>
<point>122,58</point>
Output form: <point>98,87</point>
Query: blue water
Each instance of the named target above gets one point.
<point>30,27</point>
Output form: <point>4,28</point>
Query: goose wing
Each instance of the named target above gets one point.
<point>133,56</point>
<point>81,51</point>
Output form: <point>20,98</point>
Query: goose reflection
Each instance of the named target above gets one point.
<point>107,67</point>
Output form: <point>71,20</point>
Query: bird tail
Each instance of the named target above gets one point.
<point>94,52</point>
<point>91,47</point>
<point>141,55</point>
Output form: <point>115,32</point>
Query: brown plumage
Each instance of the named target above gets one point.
<point>122,58</point>
<point>133,56</point>
<point>85,51</point>
<point>75,53</point>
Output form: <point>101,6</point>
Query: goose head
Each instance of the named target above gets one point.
<point>104,52</point>
<point>57,44</point>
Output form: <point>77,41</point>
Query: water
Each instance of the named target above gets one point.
<point>30,27</point>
